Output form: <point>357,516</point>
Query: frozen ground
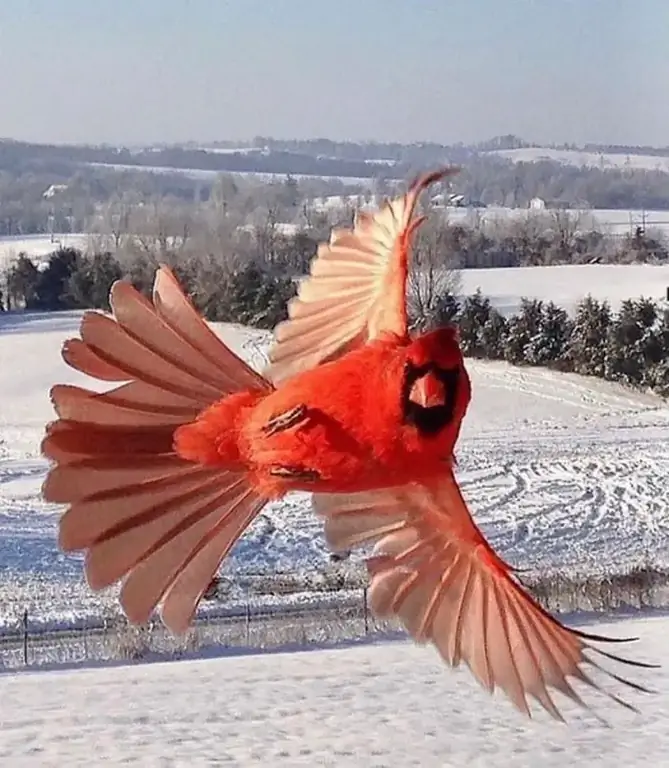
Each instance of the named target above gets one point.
<point>567,284</point>
<point>602,160</point>
<point>199,173</point>
<point>560,471</point>
<point>38,246</point>
<point>389,704</point>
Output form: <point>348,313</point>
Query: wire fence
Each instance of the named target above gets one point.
<point>247,626</point>
<point>281,612</point>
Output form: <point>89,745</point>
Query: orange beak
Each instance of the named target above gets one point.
<point>428,391</point>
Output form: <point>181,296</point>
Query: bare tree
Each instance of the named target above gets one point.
<point>434,272</point>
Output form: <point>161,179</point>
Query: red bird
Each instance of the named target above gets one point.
<point>164,473</point>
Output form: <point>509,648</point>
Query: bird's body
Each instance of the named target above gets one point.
<point>162,474</point>
<point>345,426</point>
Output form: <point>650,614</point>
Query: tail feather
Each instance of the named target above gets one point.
<point>112,343</point>
<point>186,558</point>
<point>172,305</point>
<point>78,355</point>
<point>69,442</point>
<point>66,483</point>
<point>85,407</point>
<point>142,513</point>
<point>139,320</point>
<point>126,541</point>
<point>195,576</point>
<point>137,394</point>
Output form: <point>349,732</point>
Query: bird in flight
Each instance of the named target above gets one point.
<point>163,473</point>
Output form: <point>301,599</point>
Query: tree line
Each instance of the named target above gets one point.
<point>28,171</point>
<point>248,293</point>
<point>630,346</point>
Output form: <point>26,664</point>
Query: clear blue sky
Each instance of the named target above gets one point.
<point>445,70</point>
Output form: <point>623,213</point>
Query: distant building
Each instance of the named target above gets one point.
<point>452,200</point>
<point>537,204</point>
<point>54,189</point>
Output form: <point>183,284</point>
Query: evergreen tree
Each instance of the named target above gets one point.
<point>53,281</point>
<point>446,310</point>
<point>473,316</point>
<point>22,282</point>
<point>632,344</point>
<point>250,296</point>
<point>549,345</point>
<point>523,327</point>
<point>493,336</point>
<point>587,344</point>
<point>89,285</point>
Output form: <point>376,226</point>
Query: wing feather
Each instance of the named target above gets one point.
<point>432,568</point>
<point>359,279</point>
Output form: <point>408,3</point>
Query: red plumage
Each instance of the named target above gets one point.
<point>162,474</point>
<point>352,433</point>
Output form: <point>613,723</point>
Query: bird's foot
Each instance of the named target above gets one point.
<point>295,473</point>
<point>290,418</point>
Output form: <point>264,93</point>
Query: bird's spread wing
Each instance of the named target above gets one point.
<point>356,289</point>
<point>433,569</point>
<point>140,512</point>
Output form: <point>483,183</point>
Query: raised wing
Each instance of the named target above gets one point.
<point>356,289</point>
<point>433,569</point>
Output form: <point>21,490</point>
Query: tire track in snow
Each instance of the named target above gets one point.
<point>608,509</point>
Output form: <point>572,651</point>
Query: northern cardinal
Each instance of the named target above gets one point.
<point>162,474</point>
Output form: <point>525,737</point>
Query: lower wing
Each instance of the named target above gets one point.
<point>432,568</point>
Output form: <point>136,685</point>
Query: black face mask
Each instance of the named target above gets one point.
<point>430,421</point>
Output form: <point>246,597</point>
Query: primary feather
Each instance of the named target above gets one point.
<point>432,568</point>
<point>356,291</point>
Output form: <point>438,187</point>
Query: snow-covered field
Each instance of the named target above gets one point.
<point>384,704</point>
<point>612,222</point>
<point>38,246</point>
<point>603,160</point>
<point>567,284</point>
<point>560,471</point>
<point>200,173</point>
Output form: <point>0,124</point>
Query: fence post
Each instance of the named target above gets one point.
<point>365,609</point>
<point>248,624</point>
<point>25,637</point>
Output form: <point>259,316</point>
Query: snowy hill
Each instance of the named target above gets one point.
<point>567,284</point>
<point>379,704</point>
<point>561,471</point>
<point>580,158</point>
<point>38,247</point>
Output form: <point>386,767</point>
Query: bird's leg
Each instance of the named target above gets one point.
<point>290,418</point>
<point>295,473</point>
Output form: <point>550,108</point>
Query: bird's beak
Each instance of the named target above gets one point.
<point>428,391</point>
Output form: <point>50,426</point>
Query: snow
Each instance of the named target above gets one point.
<point>561,471</point>
<point>567,284</point>
<point>579,158</point>
<point>204,174</point>
<point>374,704</point>
<point>613,222</point>
<point>38,246</point>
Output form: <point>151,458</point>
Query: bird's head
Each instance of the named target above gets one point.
<point>436,389</point>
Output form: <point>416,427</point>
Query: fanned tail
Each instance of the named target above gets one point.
<point>141,512</point>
